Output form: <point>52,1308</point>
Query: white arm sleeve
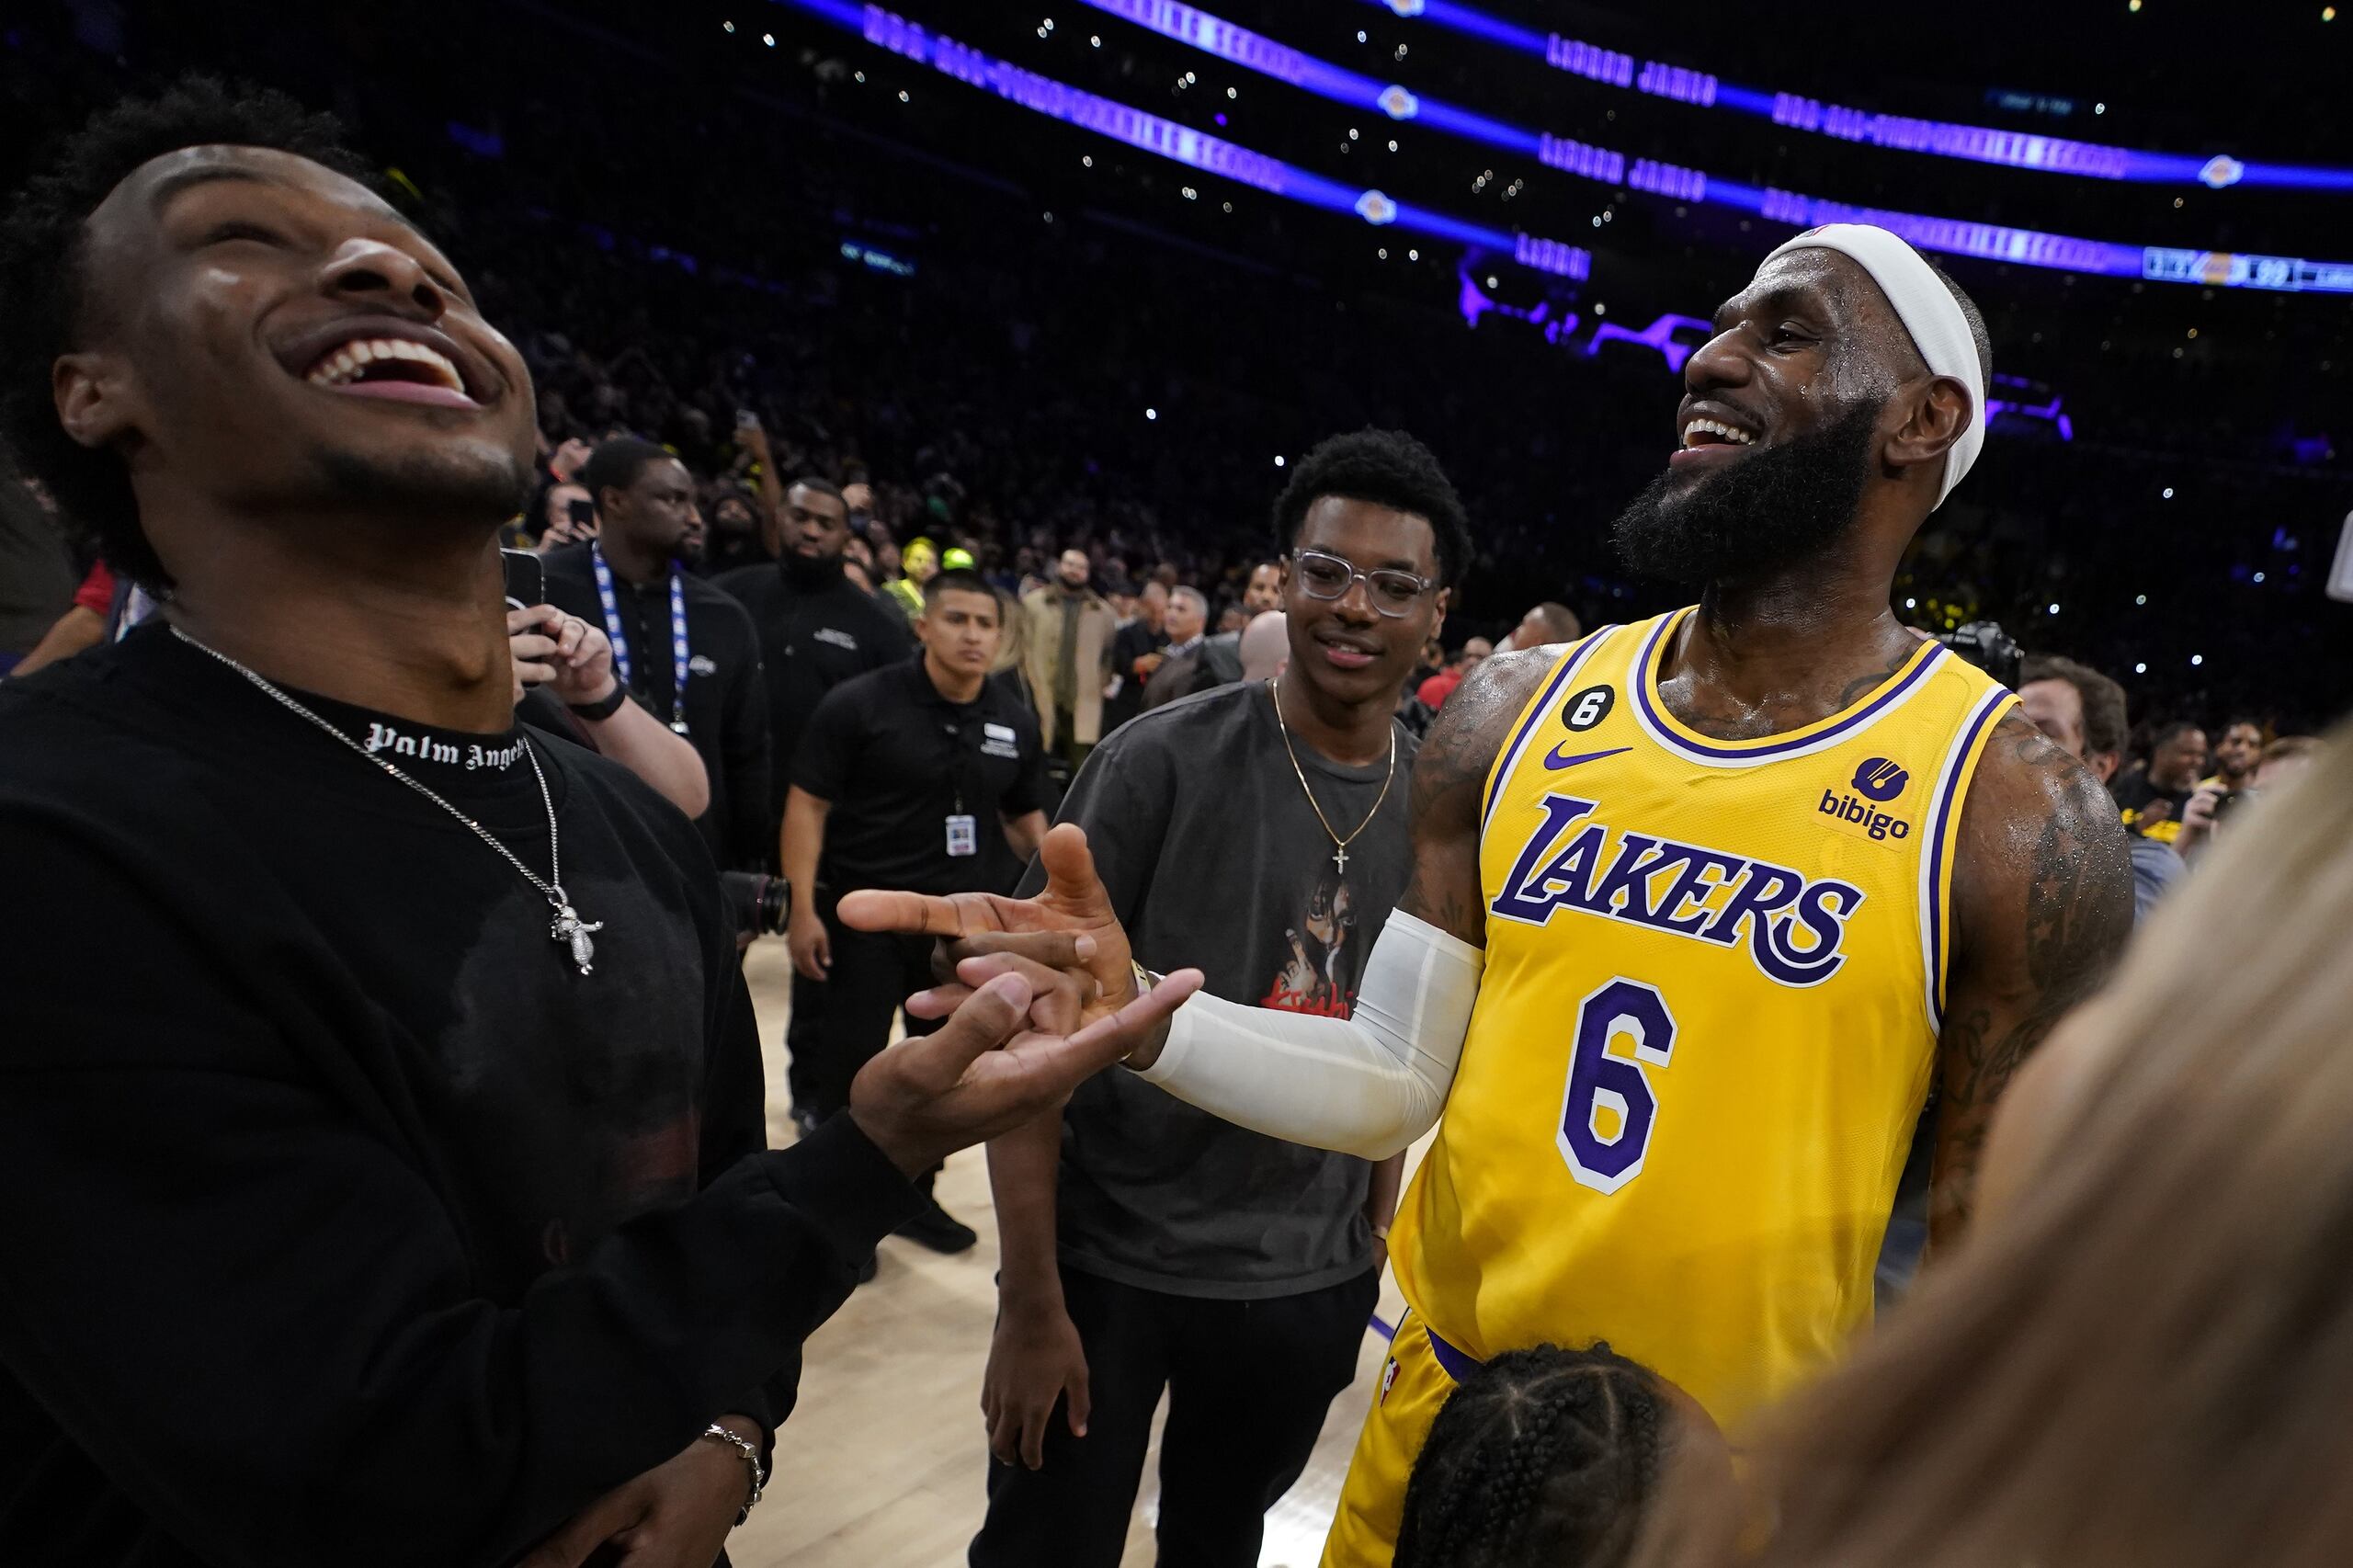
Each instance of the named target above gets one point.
<point>1367,1085</point>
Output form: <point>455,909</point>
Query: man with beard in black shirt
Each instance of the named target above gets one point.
<point>684,650</point>
<point>816,627</point>
<point>379,1108</point>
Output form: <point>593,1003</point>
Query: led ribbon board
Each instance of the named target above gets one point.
<point>1179,144</point>
<point>1937,138</point>
<point>1952,236</point>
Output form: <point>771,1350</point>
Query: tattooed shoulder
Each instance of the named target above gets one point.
<point>1449,779</point>
<point>2043,893</point>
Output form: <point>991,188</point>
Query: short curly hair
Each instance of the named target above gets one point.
<point>1388,468</point>
<point>42,277</point>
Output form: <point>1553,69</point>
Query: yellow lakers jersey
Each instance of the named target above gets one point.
<point>1706,1026</point>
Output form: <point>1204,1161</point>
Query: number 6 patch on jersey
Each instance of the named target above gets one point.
<point>1611,1106</point>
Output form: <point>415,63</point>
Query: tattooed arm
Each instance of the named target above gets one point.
<point>1450,782</point>
<point>2042,903</point>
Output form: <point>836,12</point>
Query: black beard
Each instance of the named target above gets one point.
<point>808,571</point>
<point>1778,507</point>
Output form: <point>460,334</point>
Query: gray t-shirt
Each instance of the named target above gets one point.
<point>1214,860</point>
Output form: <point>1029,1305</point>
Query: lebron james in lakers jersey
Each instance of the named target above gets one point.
<point>1703,908</point>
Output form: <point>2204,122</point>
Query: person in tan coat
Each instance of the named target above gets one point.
<point>1066,658</point>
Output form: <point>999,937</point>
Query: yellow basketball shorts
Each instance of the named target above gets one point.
<point>1372,1500</point>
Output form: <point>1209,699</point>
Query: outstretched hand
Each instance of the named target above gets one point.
<point>1068,927</point>
<point>985,1072</point>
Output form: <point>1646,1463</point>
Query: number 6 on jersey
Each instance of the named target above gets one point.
<point>1610,1108</point>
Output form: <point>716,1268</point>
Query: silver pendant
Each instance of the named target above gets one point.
<point>569,929</point>
<point>678,726</point>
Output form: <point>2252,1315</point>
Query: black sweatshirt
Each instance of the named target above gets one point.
<point>726,701</point>
<point>342,1219</point>
<point>817,629</point>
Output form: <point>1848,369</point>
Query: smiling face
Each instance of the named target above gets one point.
<point>268,339</point>
<point>1785,411</point>
<point>1344,646</point>
<point>2176,761</point>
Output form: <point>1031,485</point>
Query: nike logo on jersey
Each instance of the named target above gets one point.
<point>1791,926</point>
<point>1555,761</point>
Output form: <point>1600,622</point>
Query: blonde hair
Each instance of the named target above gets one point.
<point>2147,1359</point>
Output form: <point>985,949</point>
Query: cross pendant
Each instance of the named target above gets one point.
<point>1340,859</point>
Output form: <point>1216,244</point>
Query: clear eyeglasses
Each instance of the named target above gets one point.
<point>1327,576</point>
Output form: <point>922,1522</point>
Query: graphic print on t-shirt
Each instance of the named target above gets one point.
<point>1317,974</point>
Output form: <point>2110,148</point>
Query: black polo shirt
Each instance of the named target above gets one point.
<point>896,759</point>
<point>816,629</point>
<point>726,699</point>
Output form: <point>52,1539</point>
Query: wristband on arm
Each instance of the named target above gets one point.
<point>1367,1085</point>
<point>604,707</point>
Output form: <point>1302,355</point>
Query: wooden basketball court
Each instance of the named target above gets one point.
<point>883,1464</point>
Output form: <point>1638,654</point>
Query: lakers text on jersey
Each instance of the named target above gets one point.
<point>1707,1024</point>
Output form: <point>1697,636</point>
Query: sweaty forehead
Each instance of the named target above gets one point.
<point>149,190</point>
<point>1825,283</point>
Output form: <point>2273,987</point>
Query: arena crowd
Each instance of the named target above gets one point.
<point>402,1183</point>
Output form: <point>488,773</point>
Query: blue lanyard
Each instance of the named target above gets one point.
<point>612,604</point>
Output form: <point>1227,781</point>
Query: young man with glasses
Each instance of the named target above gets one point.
<point>1260,829</point>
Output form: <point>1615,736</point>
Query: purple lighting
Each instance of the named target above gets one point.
<point>1659,335</point>
<point>1977,143</point>
<point>1992,242</point>
<point>1180,144</point>
<point>2017,407</point>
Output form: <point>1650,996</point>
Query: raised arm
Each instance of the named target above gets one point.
<point>575,660</point>
<point>1367,1085</point>
<point>2042,904</point>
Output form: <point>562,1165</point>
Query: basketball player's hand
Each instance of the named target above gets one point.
<point>675,1515</point>
<point>986,1072</point>
<point>1035,1358</point>
<point>1041,930</point>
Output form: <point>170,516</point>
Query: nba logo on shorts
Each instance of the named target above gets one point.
<point>1879,779</point>
<point>1388,1376</point>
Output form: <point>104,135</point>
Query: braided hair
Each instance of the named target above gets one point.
<point>1545,1456</point>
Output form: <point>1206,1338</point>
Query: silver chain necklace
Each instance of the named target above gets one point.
<point>567,926</point>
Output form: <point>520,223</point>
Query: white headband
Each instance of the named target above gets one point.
<point>1929,312</point>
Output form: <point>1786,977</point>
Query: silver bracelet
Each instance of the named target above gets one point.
<point>718,1434</point>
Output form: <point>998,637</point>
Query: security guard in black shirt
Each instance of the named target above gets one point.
<point>685,651</point>
<point>816,628</point>
<point>926,776</point>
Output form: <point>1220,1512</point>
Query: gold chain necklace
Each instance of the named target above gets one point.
<point>1339,845</point>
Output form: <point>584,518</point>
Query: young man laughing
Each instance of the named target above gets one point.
<point>378,1087</point>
